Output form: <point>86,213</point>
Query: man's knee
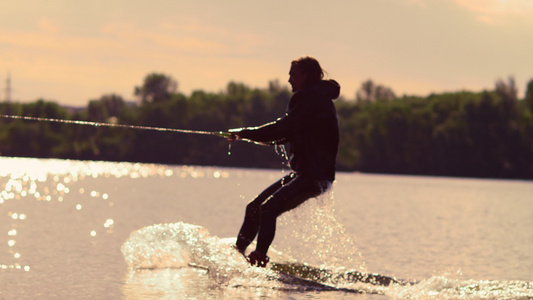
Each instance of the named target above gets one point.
<point>269,211</point>
<point>252,208</point>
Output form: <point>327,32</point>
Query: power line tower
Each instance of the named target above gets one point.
<point>8,87</point>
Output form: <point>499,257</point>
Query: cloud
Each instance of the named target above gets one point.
<point>125,42</point>
<point>417,2</point>
<point>117,55</point>
<point>496,11</point>
<point>142,38</point>
<point>47,25</point>
<point>190,38</point>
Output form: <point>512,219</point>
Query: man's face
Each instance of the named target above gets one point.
<point>297,79</point>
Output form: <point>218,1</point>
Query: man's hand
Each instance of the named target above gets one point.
<point>233,137</point>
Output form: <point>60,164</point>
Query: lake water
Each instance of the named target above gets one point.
<point>103,230</point>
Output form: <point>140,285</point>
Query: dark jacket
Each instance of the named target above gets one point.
<point>309,128</point>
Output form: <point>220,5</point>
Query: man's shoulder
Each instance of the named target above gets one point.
<point>309,95</point>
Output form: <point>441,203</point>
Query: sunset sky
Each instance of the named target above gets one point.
<point>72,51</point>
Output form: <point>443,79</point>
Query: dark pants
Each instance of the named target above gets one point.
<point>283,195</point>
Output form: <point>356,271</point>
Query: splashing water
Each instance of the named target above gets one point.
<point>180,245</point>
<point>195,256</point>
<point>446,287</point>
<point>322,238</point>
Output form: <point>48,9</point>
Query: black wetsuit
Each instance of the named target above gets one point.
<point>310,132</point>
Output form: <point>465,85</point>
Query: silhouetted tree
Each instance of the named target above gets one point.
<point>485,134</point>
<point>156,88</point>
<point>508,94</point>
<point>529,95</point>
<point>103,109</point>
<point>370,92</point>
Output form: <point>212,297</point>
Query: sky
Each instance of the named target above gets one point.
<point>72,51</point>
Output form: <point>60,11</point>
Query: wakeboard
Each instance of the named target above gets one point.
<point>302,274</point>
<point>316,274</point>
<point>179,245</point>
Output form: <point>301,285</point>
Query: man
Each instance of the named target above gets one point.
<point>310,131</point>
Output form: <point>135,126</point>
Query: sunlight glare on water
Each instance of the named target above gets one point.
<point>30,181</point>
<point>48,181</point>
<point>64,224</point>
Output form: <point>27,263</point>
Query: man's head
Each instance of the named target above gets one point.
<point>305,71</point>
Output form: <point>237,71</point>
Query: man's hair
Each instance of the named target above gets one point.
<point>309,66</point>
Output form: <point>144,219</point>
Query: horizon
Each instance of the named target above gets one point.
<point>71,53</point>
<point>135,100</point>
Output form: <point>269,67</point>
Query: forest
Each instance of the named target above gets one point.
<point>487,134</point>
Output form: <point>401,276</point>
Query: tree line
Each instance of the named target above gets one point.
<point>468,134</point>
